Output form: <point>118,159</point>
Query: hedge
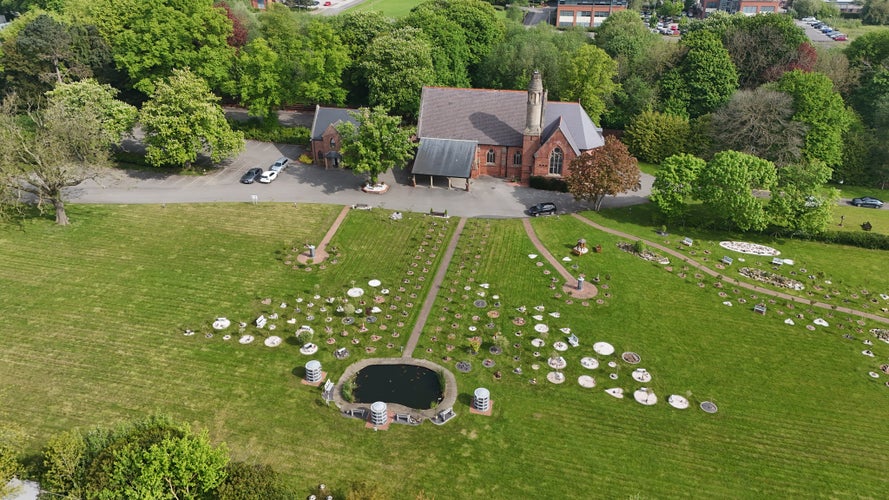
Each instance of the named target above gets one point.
<point>548,183</point>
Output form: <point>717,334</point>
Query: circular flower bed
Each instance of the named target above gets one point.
<point>480,303</point>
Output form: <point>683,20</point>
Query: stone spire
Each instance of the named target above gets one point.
<point>536,96</point>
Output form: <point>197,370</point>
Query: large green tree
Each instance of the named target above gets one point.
<point>674,184</point>
<point>62,144</point>
<point>450,50</point>
<point>397,66</point>
<point>653,136</point>
<point>589,79</point>
<point>726,185</point>
<point>482,27</point>
<point>875,12</point>
<point>765,47</point>
<point>319,66</point>
<point>800,201</point>
<point>818,106</point>
<point>607,170</point>
<point>182,120</point>
<point>258,73</point>
<point>357,30</point>
<point>47,51</point>
<point>704,79</point>
<point>378,144</point>
<point>151,38</point>
<point>625,37</point>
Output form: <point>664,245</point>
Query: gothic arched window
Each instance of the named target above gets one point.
<point>555,162</point>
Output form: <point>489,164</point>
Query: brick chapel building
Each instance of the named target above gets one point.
<point>502,133</point>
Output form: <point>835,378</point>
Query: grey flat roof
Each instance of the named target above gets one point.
<point>445,157</point>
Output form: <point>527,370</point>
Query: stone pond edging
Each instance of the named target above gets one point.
<point>449,395</point>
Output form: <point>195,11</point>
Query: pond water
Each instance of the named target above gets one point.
<point>412,386</point>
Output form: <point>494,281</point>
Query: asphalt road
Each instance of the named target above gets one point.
<point>487,197</point>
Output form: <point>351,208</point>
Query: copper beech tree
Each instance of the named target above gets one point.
<point>607,170</point>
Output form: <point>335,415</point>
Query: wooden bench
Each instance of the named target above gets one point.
<point>687,241</point>
<point>727,260</point>
<point>759,308</point>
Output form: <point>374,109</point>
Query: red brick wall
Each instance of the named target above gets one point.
<point>541,162</point>
<point>322,147</point>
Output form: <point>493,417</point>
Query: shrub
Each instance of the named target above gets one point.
<point>548,183</point>
<point>860,239</point>
<point>306,159</point>
<point>267,131</point>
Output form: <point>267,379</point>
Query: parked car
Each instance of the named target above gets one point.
<point>867,201</point>
<point>809,20</point>
<point>839,37</point>
<point>826,29</point>
<point>539,209</point>
<point>280,164</point>
<point>268,176</point>
<point>251,176</point>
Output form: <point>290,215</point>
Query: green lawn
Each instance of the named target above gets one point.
<point>391,8</point>
<point>94,314</point>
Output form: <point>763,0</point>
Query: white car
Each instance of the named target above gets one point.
<point>268,176</point>
<point>280,164</point>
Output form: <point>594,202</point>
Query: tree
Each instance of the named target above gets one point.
<point>800,202</point>
<point>725,186</point>
<point>11,445</point>
<point>377,144</point>
<point>62,144</point>
<point>322,58</point>
<point>875,12</point>
<point>155,458</point>
<point>590,79</point>
<point>116,118</point>
<point>764,47</point>
<point>397,66</point>
<point>607,170</point>
<point>670,8</point>
<point>807,8</point>
<point>674,184</point>
<point>542,48</point>
<point>625,38</point>
<point>835,65</point>
<point>823,112</point>
<point>152,38</point>
<point>450,52</point>
<point>245,481</point>
<point>63,465</point>
<point>704,79</point>
<point>760,123</point>
<point>653,136</point>
<point>47,51</point>
<point>357,30</point>
<point>183,119</point>
<point>482,28</point>
<point>259,85</point>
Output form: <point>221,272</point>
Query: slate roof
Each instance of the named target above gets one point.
<point>444,157</point>
<point>497,117</point>
<point>324,117</point>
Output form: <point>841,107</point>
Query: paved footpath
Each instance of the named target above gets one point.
<point>433,291</point>
<point>321,252</point>
<point>733,281</point>
<point>570,287</point>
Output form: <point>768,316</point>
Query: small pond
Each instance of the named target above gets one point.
<point>412,386</point>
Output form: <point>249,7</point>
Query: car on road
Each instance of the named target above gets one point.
<point>280,164</point>
<point>268,176</point>
<point>251,176</point>
<point>867,201</point>
<point>546,208</point>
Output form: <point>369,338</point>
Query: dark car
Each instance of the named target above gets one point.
<point>251,176</point>
<point>867,201</point>
<point>542,209</point>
